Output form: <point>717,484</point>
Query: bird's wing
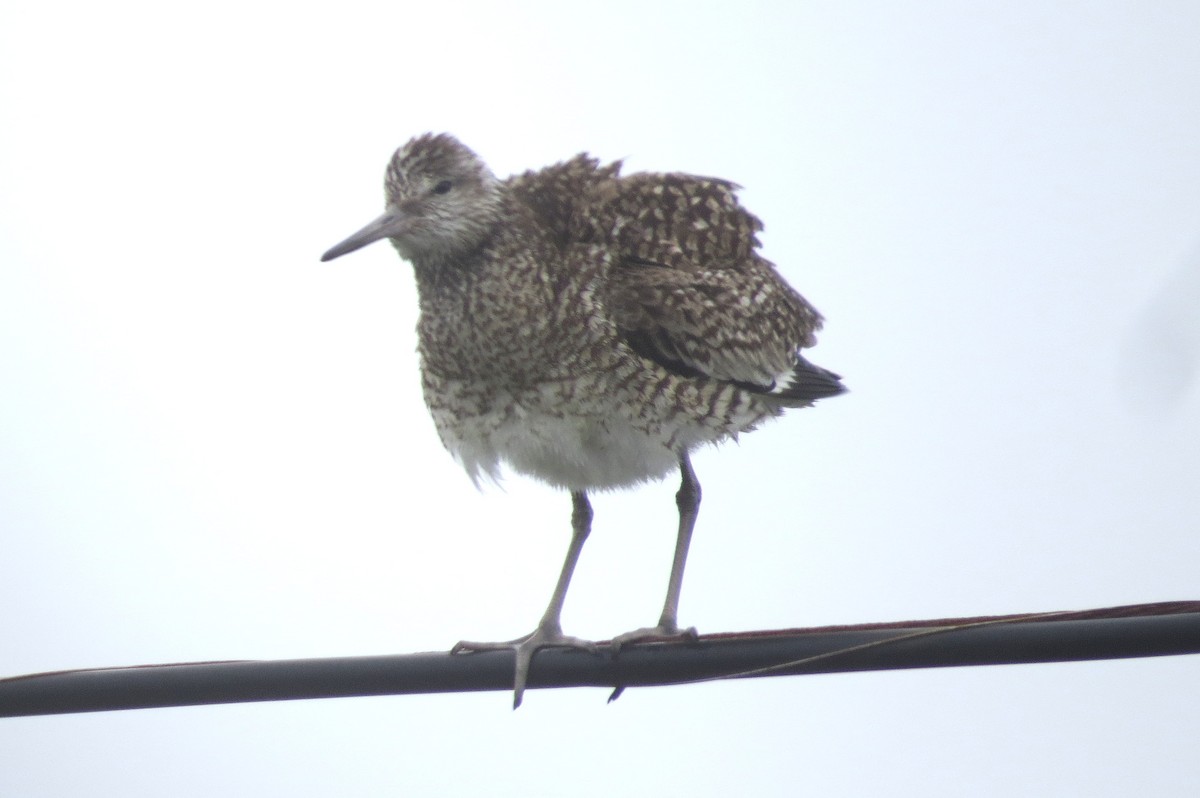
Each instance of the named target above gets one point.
<point>689,290</point>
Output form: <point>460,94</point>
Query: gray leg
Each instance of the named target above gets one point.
<point>581,527</point>
<point>549,629</point>
<point>688,501</point>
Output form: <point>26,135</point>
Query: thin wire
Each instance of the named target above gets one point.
<point>768,670</point>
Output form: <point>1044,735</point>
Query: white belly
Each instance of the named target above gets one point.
<point>576,453</point>
<point>590,432</point>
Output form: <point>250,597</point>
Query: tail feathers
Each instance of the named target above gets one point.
<point>806,383</point>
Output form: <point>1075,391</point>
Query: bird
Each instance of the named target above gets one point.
<point>591,330</point>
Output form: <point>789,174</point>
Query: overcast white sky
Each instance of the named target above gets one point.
<point>214,446</point>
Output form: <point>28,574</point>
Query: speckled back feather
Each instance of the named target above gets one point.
<point>689,289</point>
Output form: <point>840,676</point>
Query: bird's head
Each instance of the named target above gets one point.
<point>442,200</point>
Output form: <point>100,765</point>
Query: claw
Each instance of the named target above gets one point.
<point>524,648</point>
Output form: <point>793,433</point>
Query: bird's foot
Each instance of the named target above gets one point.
<point>524,648</point>
<point>663,633</point>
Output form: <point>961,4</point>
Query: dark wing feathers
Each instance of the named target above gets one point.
<point>687,287</point>
<point>689,290</point>
<point>808,382</point>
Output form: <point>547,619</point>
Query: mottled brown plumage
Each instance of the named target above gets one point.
<point>590,329</point>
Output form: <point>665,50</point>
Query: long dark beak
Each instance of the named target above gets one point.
<point>386,226</point>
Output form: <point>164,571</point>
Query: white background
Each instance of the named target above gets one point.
<point>214,446</point>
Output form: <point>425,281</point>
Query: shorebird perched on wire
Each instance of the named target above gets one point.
<point>590,330</point>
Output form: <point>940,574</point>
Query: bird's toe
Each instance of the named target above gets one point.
<point>524,648</point>
<point>663,633</point>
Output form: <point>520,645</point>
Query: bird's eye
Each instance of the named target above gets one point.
<point>443,187</point>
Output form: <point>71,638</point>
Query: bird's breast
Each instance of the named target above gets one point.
<point>515,325</point>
